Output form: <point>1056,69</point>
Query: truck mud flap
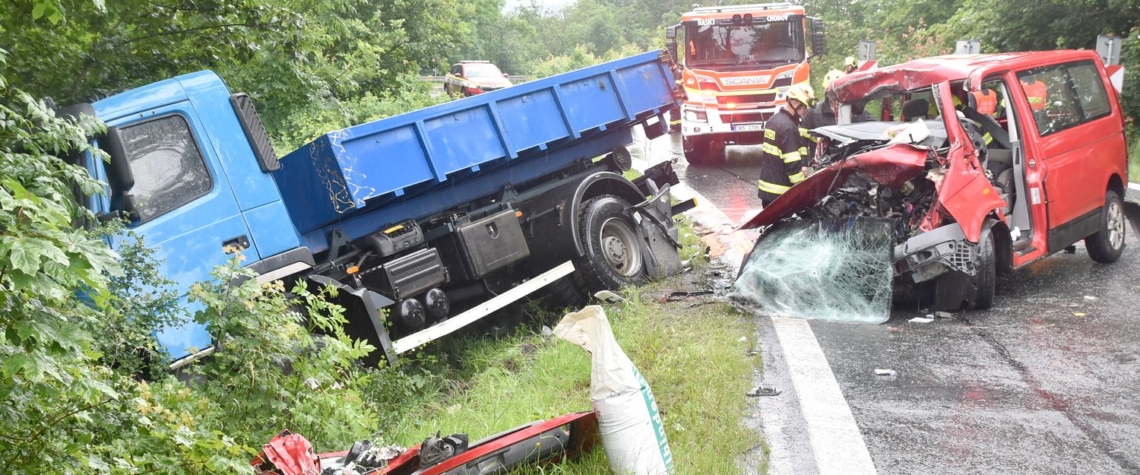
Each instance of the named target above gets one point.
<point>658,235</point>
<point>368,303</point>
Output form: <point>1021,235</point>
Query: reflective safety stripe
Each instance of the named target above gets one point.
<point>772,187</point>
<point>803,151</point>
<point>798,177</point>
<point>771,149</point>
<point>791,157</point>
<point>804,133</point>
<point>987,138</point>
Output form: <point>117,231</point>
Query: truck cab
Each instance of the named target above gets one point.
<point>194,187</point>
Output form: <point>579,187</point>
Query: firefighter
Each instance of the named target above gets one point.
<point>849,65</point>
<point>1035,92</point>
<point>783,154</point>
<point>823,114</point>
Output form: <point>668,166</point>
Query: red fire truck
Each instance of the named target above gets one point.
<point>737,63</point>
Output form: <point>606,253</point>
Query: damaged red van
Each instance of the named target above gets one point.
<point>982,163</point>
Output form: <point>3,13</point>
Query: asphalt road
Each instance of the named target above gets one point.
<point>1047,381</point>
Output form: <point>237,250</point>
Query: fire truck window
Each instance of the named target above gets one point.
<point>770,44</point>
<point>168,167</point>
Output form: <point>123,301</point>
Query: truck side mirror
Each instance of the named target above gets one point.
<point>119,174</point>
<point>119,177</point>
<point>671,42</point>
<point>818,42</point>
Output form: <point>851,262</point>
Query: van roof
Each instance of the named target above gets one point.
<point>929,71</point>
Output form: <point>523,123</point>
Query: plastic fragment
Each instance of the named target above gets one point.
<point>921,320</point>
<point>1080,314</point>
<point>943,315</point>
<point>760,391</point>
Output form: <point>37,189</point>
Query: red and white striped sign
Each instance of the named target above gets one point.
<point>1116,76</point>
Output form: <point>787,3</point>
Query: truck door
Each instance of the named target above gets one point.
<point>185,208</point>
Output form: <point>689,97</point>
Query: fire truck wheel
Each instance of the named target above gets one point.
<point>985,281</point>
<point>1108,243</point>
<point>701,151</point>
<point>613,253</point>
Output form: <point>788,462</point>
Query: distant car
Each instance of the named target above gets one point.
<point>1030,159</point>
<point>468,78</point>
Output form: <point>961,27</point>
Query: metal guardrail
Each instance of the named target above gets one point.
<point>439,79</point>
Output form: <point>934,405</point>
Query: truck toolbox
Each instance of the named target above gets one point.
<point>493,242</point>
<point>390,161</point>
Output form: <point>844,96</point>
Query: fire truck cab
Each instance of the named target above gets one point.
<point>738,61</point>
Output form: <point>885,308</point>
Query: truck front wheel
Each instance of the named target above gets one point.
<point>613,252</point>
<point>985,281</point>
<point>706,151</point>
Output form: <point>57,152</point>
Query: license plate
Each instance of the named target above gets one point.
<point>748,127</point>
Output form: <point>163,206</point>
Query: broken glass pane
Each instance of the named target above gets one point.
<point>835,269</point>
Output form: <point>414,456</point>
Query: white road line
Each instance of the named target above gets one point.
<point>835,438</point>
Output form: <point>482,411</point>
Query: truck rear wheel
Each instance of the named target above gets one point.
<point>613,252</point>
<point>1108,243</point>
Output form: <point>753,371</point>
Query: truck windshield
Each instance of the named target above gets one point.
<point>482,70</point>
<point>757,44</point>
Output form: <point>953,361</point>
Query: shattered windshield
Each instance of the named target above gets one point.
<point>756,44</point>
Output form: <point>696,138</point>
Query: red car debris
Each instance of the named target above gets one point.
<point>535,443</point>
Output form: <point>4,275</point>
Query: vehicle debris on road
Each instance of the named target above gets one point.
<point>535,443</point>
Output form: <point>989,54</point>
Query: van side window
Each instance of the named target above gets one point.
<point>168,168</point>
<point>1064,96</point>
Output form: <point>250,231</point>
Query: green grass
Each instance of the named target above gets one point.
<point>1134,160</point>
<point>692,358</point>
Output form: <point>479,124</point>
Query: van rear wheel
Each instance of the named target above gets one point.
<point>1108,243</point>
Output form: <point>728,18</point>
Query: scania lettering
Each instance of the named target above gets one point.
<point>737,63</point>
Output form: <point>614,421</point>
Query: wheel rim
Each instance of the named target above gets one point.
<point>1115,225</point>
<point>619,247</point>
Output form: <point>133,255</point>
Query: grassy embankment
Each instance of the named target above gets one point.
<point>692,357</point>
<point>1134,160</point>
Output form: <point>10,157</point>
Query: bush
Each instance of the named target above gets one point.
<point>82,389</point>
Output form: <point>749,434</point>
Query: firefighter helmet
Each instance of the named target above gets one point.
<point>831,76</point>
<point>849,63</point>
<point>803,93</point>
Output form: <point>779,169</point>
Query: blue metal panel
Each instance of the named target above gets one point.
<point>593,102</point>
<point>463,139</point>
<point>336,176</point>
<point>533,119</point>
<point>271,230</point>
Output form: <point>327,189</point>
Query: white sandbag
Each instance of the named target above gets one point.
<point>630,426</point>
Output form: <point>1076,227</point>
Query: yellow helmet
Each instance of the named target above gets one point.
<point>802,92</point>
<point>850,61</point>
<point>831,76</point>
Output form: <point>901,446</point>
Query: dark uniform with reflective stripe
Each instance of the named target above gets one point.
<point>782,156</point>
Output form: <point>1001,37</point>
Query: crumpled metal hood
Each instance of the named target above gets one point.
<point>890,166</point>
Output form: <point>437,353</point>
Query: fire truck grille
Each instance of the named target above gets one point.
<point>748,99</point>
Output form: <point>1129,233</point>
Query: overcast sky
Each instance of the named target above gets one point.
<point>549,4</point>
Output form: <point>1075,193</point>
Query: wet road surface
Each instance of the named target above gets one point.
<point>1047,381</point>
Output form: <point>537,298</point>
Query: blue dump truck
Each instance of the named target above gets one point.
<point>427,221</point>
